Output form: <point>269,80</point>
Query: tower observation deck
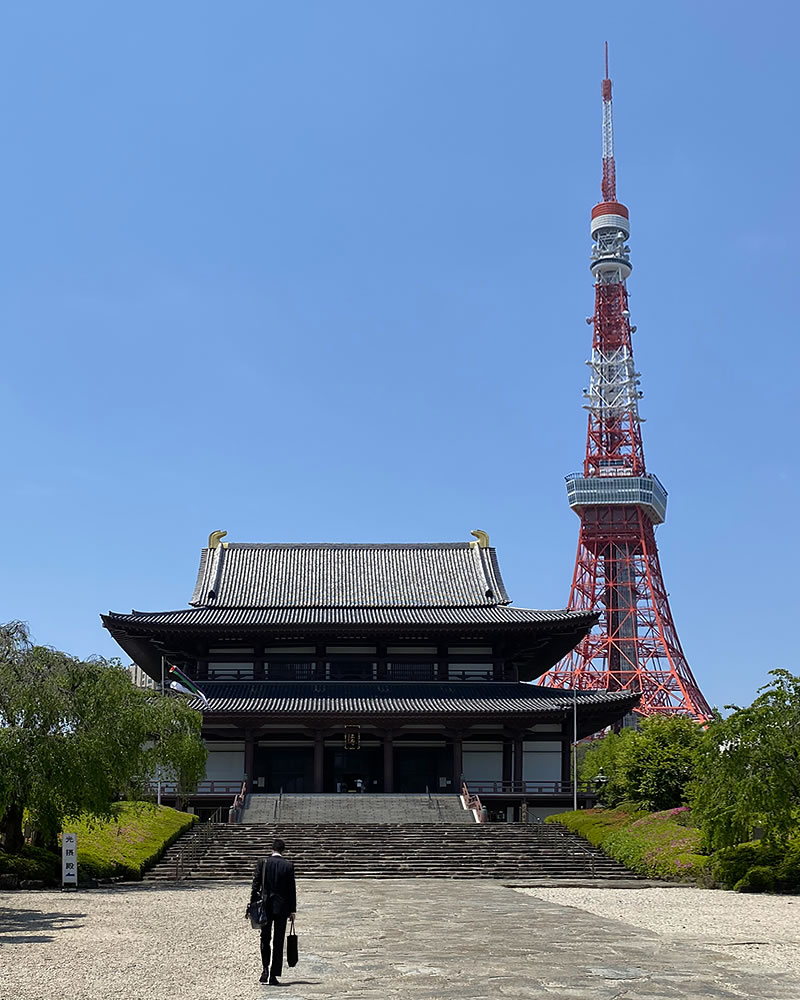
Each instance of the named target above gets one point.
<point>635,645</point>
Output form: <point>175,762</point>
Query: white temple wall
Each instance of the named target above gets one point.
<point>225,762</point>
<point>541,761</point>
<point>482,761</point>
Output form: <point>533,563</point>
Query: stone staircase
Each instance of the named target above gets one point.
<point>509,851</point>
<point>352,808</point>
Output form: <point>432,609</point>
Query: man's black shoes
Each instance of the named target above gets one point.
<point>273,981</point>
<point>264,977</point>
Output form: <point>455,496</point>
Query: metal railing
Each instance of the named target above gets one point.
<point>235,810</point>
<point>531,788</point>
<point>276,815</point>
<point>573,847</point>
<point>205,787</point>
<point>198,843</point>
<point>472,802</point>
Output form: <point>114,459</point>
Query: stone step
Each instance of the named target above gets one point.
<point>414,850</point>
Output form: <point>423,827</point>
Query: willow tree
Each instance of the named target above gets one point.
<point>749,769</point>
<point>76,736</point>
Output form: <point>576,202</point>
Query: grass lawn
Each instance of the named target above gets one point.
<point>666,845</point>
<point>134,840</point>
<point>126,846</point>
<point>656,845</point>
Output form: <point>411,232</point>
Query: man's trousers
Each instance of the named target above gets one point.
<point>274,929</point>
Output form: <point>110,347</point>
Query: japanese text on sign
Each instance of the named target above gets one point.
<point>69,859</point>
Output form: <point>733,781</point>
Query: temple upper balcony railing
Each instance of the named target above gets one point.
<point>529,789</point>
<point>389,670</point>
<point>614,488</point>
<point>207,787</point>
<point>484,789</point>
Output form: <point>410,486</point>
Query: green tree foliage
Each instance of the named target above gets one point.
<point>604,757</point>
<point>651,766</point>
<point>749,774</point>
<point>76,735</point>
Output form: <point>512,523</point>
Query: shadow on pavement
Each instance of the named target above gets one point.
<point>31,926</point>
<point>183,887</point>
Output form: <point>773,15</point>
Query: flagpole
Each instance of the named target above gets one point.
<point>575,749</point>
<point>162,692</point>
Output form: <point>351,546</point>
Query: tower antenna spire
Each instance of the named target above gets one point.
<point>609,184</point>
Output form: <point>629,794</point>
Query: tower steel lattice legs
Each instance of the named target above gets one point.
<point>635,645</point>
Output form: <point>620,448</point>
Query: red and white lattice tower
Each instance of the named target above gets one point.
<point>635,645</point>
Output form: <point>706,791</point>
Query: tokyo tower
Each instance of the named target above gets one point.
<point>635,644</point>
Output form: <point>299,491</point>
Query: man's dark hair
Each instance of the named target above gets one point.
<point>278,845</point>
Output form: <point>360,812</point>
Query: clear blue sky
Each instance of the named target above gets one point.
<point>318,271</point>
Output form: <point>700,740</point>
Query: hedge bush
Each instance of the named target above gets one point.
<point>656,845</point>
<point>665,845</point>
<point>788,870</point>
<point>32,863</point>
<point>758,879</point>
<point>731,866</point>
<point>123,847</point>
<point>130,843</point>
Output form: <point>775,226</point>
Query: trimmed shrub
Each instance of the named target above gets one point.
<point>729,865</point>
<point>758,879</point>
<point>788,870</point>
<point>33,863</point>
<point>656,845</point>
<point>130,843</point>
<point>665,845</point>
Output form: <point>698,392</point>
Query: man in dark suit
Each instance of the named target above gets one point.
<point>274,877</point>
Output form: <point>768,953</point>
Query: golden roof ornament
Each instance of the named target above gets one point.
<point>483,539</point>
<point>215,539</point>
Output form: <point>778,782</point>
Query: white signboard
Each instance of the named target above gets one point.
<point>69,859</point>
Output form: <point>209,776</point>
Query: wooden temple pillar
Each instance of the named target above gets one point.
<point>249,755</point>
<point>518,750</point>
<point>319,761</point>
<point>388,761</point>
<point>458,760</point>
<point>566,761</point>
<point>508,755</point>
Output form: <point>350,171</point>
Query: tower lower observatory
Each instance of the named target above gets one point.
<point>617,572</point>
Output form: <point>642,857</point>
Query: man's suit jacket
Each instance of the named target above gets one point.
<point>279,880</point>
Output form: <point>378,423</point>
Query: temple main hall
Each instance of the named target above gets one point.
<point>371,669</point>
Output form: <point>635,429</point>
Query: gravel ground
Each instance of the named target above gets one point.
<point>398,940</point>
<point>762,930</point>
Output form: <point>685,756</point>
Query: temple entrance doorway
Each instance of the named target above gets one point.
<point>344,769</point>
<point>282,767</point>
<point>417,768</point>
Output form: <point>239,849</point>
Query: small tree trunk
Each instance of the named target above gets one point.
<point>11,826</point>
<point>49,841</point>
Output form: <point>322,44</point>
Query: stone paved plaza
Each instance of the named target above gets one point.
<point>411,939</point>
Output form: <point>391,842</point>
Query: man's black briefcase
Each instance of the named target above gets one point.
<point>291,947</point>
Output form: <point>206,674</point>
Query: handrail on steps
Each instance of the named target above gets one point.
<point>235,810</point>
<point>198,843</point>
<point>276,813</point>
<point>434,803</point>
<point>470,801</point>
<point>575,847</point>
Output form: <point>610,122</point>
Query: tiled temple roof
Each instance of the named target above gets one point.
<point>210,618</point>
<point>398,698</point>
<point>443,575</point>
<point>281,591</point>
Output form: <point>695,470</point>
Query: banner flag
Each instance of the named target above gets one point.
<point>180,682</point>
